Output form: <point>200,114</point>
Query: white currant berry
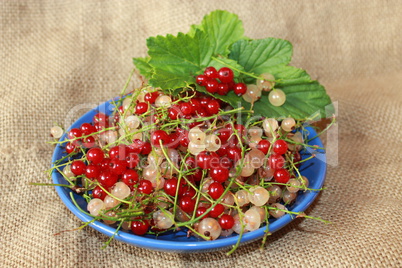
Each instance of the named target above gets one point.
<point>95,206</point>
<point>258,196</point>
<point>110,202</point>
<point>270,125</point>
<point>120,190</point>
<point>255,131</point>
<point>56,132</point>
<point>210,228</point>
<point>277,97</point>
<point>304,182</point>
<point>68,173</point>
<point>267,83</point>
<point>252,219</point>
<point>197,136</point>
<point>237,227</point>
<point>252,94</point>
<point>163,219</point>
<point>288,124</point>
<point>242,197</point>
<point>256,158</point>
<point>294,185</point>
<point>163,101</point>
<point>109,214</point>
<point>260,211</point>
<point>288,197</point>
<point>132,121</point>
<point>213,143</point>
<point>275,192</point>
<point>279,212</point>
<point>195,149</point>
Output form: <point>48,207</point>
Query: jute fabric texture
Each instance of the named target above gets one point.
<point>60,58</point>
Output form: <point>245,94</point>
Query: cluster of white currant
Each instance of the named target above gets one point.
<point>276,96</point>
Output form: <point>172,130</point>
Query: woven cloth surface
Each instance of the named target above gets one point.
<point>60,58</point>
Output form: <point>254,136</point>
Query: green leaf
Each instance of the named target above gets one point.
<point>256,56</point>
<point>143,66</point>
<point>223,29</point>
<point>177,59</point>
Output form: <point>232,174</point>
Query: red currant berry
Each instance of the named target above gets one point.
<point>87,129</point>
<point>71,148</point>
<point>204,100</point>
<point>201,80</point>
<point>95,155</point>
<point>107,179</point>
<point>212,86</point>
<point>132,160</point>
<point>241,130</point>
<point>170,186</point>
<point>276,161</point>
<point>78,167</point>
<point>195,104</point>
<point>197,175</point>
<point>216,211</point>
<point>141,108</point>
<point>189,191</point>
<point>140,227</point>
<point>89,142</point>
<point>206,160</point>
<point>97,192</point>
<point>201,212</point>
<point>211,72</point>
<point>130,177</point>
<point>225,75</point>
<point>263,146</point>
<point>118,166</point>
<point>145,187</point>
<point>159,136</point>
<point>100,126</point>
<point>187,204</point>
<point>213,107</point>
<point>280,147</point>
<point>219,174</point>
<point>225,162</point>
<point>118,152</point>
<point>104,164</point>
<point>223,89</point>
<point>215,190</point>
<point>92,171</point>
<point>174,112</point>
<point>100,118</point>
<point>151,97</point>
<point>186,108</point>
<point>224,134</point>
<point>281,175</point>
<point>74,133</point>
<point>226,221</point>
<point>240,89</point>
<point>296,158</point>
<point>234,153</point>
<point>146,148</point>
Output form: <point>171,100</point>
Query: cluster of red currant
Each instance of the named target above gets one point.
<point>220,82</point>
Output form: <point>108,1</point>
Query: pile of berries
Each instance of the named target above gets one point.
<point>160,162</point>
<point>220,82</point>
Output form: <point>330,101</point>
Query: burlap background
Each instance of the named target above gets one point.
<point>59,58</point>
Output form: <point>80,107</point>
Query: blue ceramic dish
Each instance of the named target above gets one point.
<point>314,170</point>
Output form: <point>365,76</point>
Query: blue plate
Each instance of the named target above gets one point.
<point>314,170</point>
